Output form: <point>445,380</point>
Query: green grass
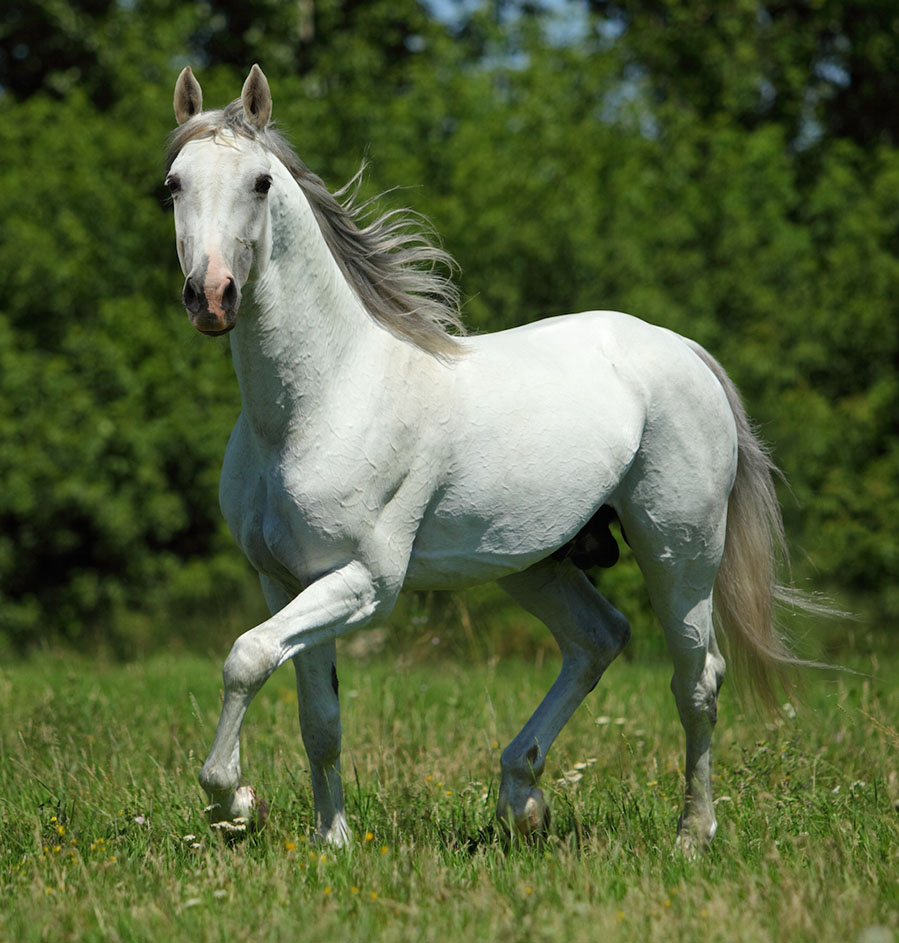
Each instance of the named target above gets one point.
<point>98,796</point>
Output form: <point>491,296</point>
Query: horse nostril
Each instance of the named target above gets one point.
<point>192,297</point>
<point>230,296</point>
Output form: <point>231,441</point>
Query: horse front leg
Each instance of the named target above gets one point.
<point>319,709</point>
<point>337,603</point>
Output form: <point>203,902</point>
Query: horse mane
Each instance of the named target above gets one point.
<point>391,261</point>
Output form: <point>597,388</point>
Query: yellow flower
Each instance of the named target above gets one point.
<point>328,891</point>
<point>384,849</point>
<point>373,895</point>
<point>354,889</point>
<point>369,836</point>
<point>290,845</point>
<point>60,829</point>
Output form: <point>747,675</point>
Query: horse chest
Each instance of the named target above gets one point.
<point>289,533</point>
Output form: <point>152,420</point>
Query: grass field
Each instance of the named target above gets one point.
<point>102,835</point>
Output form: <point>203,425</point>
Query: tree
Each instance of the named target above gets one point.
<point>694,164</point>
<point>817,69</point>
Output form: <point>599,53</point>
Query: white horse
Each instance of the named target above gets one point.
<point>377,451</point>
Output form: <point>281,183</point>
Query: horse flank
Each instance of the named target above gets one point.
<point>398,273</point>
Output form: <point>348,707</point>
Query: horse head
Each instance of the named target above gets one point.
<point>219,180</point>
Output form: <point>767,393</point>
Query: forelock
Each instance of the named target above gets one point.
<point>209,124</point>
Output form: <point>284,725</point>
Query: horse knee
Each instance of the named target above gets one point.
<point>248,664</point>
<point>216,780</point>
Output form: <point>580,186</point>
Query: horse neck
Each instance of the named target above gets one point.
<point>305,328</point>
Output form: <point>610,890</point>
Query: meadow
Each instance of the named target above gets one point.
<point>102,835</point>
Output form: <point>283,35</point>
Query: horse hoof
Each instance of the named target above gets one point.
<point>687,845</point>
<point>243,815</point>
<point>536,814</point>
<point>533,817</point>
<point>694,841</point>
<point>336,835</point>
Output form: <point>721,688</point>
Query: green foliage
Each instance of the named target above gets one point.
<point>112,419</point>
<point>812,68</point>
<point>719,171</point>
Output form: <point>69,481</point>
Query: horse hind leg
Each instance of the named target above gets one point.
<point>698,673</point>
<point>318,706</point>
<point>590,633</point>
<point>680,589</point>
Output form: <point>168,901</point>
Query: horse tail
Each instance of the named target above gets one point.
<point>747,589</point>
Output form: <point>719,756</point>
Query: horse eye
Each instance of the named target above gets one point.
<point>174,185</point>
<point>263,184</point>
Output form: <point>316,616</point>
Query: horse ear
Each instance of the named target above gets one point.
<point>188,96</point>
<point>257,98</point>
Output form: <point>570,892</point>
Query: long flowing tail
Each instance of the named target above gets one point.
<point>747,588</point>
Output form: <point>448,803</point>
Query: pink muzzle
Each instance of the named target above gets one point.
<point>212,297</point>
